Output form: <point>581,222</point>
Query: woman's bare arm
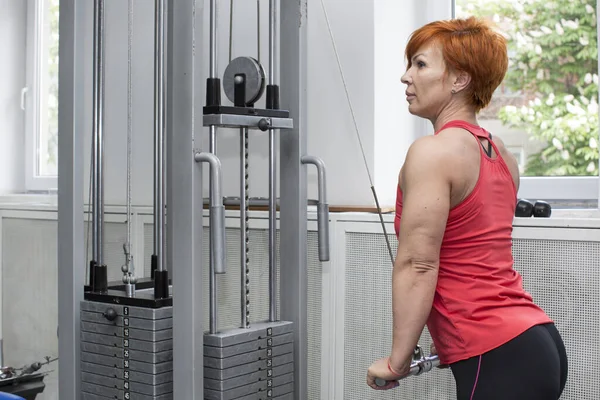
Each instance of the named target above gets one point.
<point>426,189</point>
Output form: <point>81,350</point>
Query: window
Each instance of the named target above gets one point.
<point>40,96</point>
<point>548,103</point>
<point>519,154</point>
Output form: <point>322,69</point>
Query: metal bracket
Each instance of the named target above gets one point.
<point>247,121</point>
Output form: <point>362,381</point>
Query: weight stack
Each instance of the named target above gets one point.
<point>129,357</point>
<point>254,363</point>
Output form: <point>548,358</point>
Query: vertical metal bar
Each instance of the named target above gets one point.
<point>71,259</point>
<point>272,228</point>
<point>159,134</point>
<point>98,134</point>
<point>212,144</point>
<point>164,135</point>
<point>230,29</point>
<point>272,39</point>
<point>272,171</point>
<point>293,202</point>
<point>258,30</point>
<point>212,276</point>
<point>212,69</point>
<point>243,230</point>
<point>184,88</point>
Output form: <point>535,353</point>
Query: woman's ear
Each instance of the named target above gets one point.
<point>461,82</point>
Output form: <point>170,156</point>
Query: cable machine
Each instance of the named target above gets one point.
<point>127,343</point>
<point>145,338</point>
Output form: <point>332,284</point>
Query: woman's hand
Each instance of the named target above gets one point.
<point>380,370</point>
<point>433,352</point>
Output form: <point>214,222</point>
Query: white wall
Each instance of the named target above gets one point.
<point>370,38</point>
<point>13,31</point>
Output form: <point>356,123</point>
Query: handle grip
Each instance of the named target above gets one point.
<point>322,207</point>
<point>217,220</point>
<point>417,367</point>
<point>217,211</point>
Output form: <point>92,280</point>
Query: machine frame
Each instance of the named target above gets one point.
<point>185,99</point>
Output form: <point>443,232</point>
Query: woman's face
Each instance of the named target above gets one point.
<point>428,82</point>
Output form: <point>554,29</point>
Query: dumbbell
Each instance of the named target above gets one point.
<point>526,209</point>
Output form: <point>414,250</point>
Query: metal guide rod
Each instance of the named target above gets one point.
<point>272,39</point>
<point>98,135</point>
<point>212,70</point>
<point>212,277</point>
<point>230,29</point>
<point>258,31</point>
<point>212,144</point>
<point>159,135</point>
<point>128,270</point>
<point>245,277</point>
<point>272,228</point>
<point>272,174</point>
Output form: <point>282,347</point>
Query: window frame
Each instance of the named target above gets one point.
<point>576,188</point>
<point>32,97</point>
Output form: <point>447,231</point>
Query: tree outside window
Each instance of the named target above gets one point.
<point>550,93</point>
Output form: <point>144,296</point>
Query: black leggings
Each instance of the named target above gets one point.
<point>533,366</point>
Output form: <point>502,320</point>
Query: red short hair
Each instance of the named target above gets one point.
<point>468,45</point>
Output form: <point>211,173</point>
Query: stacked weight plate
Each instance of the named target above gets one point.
<point>128,358</point>
<point>253,363</point>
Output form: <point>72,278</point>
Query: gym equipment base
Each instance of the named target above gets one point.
<point>126,350</point>
<point>256,362</point>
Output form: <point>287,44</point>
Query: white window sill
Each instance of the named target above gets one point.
<point>575,218</point>
<point>28,201</point>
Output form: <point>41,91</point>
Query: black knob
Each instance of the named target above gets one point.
<point>110,314</point>
<point>264,124</point>
<point>524,209</point>
<point>542,209</point>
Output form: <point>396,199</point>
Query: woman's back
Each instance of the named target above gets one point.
<point>479,302</point>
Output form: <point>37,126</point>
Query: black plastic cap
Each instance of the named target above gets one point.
<point>100,278</point>
<point>272,97</point>
<point>161,284</point>
<point>92,275</point>
<point>153,265</point>
<point>213,92</point>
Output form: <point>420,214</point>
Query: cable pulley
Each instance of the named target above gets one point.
<point>244,81</point>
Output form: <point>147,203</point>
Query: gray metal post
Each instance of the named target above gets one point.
<point>71,261</point>
<point>212,145</point>
<point>293,207</point>
<point>98,134</point>
<point>184,191</point>
<point>159,136</point>
<point>272,170</point>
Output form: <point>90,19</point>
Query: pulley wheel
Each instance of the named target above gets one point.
<point>254,76</point>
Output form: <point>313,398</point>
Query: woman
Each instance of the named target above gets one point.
<point>456,200</point>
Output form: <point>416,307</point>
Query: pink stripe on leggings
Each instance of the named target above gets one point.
<point>476,378</point>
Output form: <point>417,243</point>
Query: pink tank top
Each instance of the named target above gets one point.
<point>479,302</point>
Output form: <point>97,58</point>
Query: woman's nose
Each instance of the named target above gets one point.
<point>405,78</point>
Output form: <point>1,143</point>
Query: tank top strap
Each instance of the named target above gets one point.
<point>474,130</point>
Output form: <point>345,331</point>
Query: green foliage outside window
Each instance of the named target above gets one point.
<point>554,66</point>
